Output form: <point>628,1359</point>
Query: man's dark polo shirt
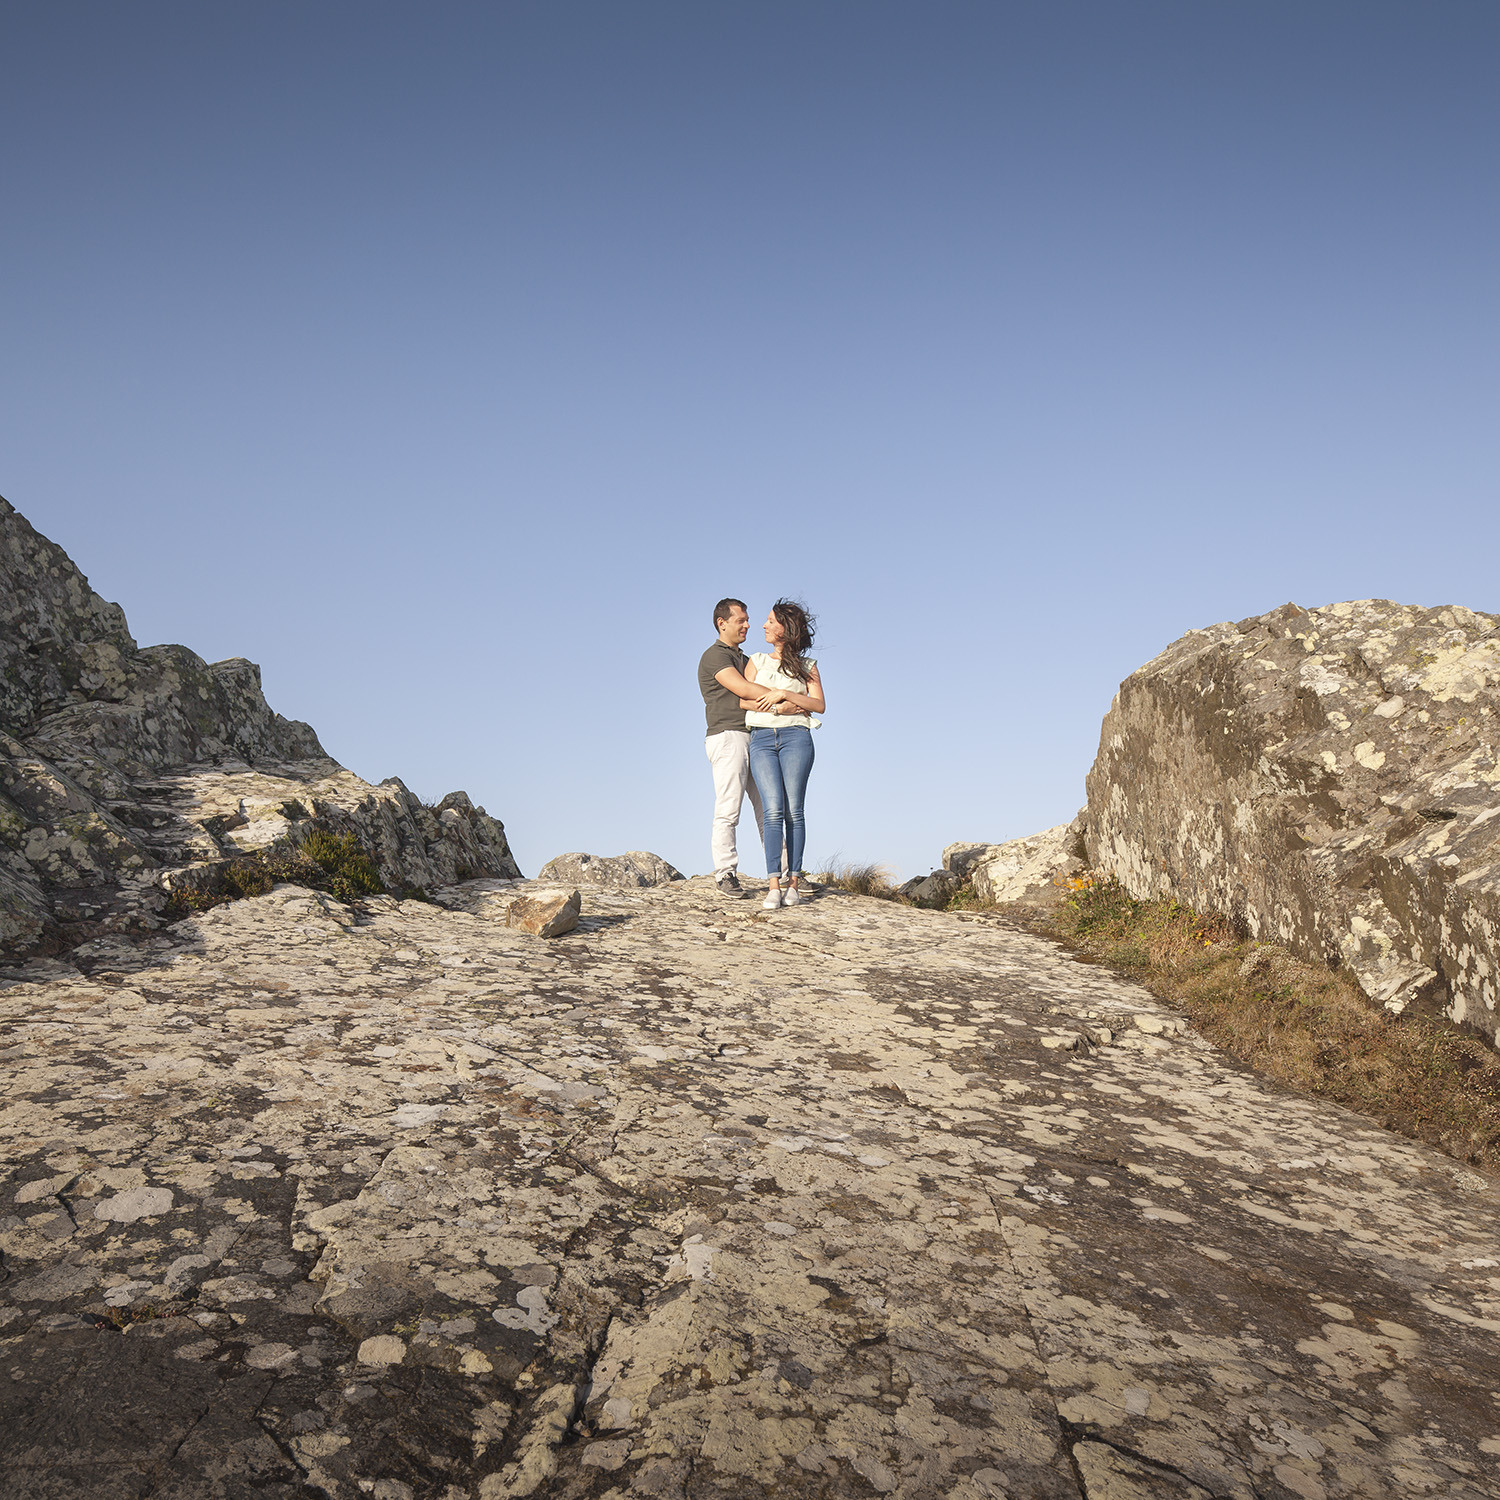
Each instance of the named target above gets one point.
<point>720,705</point>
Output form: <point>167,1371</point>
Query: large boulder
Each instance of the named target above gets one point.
<point>631,871</point>
<point>127,773</point>
<point>1331,777</point>
<point>1027,869</point>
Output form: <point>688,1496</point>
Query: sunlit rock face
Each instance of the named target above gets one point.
<point>1031,870</point>
<point>125,771</point>
<point>1330,776</point>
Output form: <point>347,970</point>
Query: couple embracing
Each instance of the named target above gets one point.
<point>760,720</point>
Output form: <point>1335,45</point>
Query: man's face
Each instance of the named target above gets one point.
<point>736,627</point>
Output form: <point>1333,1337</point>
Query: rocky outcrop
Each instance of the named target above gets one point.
<point>632,871</point>
<point>125,773</point>
<point>1029,870</point>
<point>1331,777</point>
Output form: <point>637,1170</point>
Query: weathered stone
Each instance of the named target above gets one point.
<point>1029,870</point>
<point>930,890</point>
<point>634,870</point>
<point>1108,1474</point>
<point>1331,777</point>
<point>128,773</point>
<point>59,641</point>
<point>959,859</point>
<point>138,1203</point>
<point>546,915</point>
<point>697,1204</point>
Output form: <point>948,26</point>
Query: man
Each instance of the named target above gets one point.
<point>722,680</point>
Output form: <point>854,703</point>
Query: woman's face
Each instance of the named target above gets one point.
<point>775,630</point>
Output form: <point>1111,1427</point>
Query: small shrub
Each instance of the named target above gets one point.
<point>324,862</point>
<point>183,903</point>
<point>963,898</point>
<point>247,877</point>
<point>350,872</point>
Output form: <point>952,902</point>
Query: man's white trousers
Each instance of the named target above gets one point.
<point>729,755</point>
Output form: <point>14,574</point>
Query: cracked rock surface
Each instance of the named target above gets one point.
<point>847,1199</point>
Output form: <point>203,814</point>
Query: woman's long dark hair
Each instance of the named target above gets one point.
<point>795,644</point>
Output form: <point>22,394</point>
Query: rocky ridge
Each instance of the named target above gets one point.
<point>126,773</point>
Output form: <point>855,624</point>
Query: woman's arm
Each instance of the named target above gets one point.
<point>810,702</point>
<point>770,705</point>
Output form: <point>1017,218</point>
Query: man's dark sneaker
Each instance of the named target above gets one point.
<point>729,884</point>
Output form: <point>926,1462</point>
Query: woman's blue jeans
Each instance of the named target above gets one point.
<point>781,760</point>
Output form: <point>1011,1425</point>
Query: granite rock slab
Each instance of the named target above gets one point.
<point>1032,871</point>
<point>845,1199</point>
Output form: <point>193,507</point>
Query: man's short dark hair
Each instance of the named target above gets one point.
<point>725,607</point>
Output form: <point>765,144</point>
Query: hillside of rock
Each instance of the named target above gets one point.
<point>126,773</point>
<point>1332,778</point>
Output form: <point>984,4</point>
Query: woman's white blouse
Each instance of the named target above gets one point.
<point>768,674</point>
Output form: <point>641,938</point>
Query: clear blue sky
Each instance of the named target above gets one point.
<point>450,360</point>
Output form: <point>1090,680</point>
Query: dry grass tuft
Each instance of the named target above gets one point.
<point>1305,1025</point>
<point>856,879</point>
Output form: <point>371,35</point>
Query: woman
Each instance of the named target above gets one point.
<point>781,750</point>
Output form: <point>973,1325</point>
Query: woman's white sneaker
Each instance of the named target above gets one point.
<point>772,901</point>
<point>791,898</point>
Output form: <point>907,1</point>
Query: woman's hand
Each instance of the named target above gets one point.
<point>767,702</point>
